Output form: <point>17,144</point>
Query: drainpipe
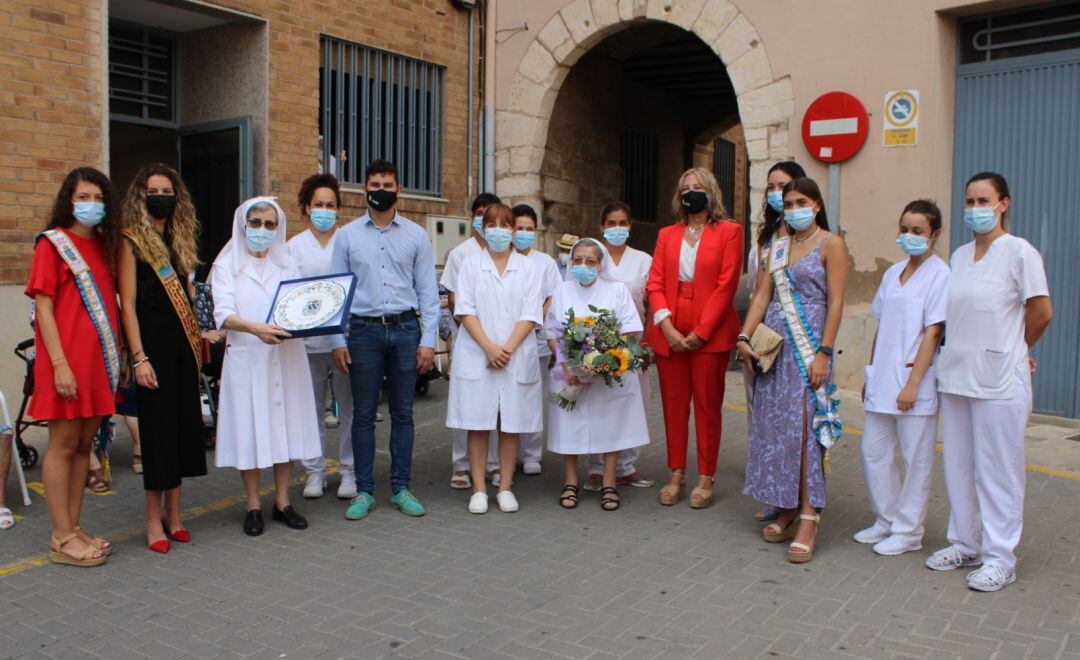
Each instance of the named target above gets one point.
<point>489,96</point>
<point>471,101</point>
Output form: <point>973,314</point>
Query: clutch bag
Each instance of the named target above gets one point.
<point>766,343</point>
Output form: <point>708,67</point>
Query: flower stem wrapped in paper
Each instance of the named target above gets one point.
<point>594,349</point>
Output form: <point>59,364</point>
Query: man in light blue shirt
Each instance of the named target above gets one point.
<point>392,331</point>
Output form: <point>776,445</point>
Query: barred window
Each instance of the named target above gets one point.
<point>724,169</point>
<point>142,76</point>
<point>377,104</point>
<point>639,157</point>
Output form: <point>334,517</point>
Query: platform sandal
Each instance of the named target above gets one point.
<point>701,498</point>
<point>672,491</point>
<point>773,533</point>
<point>84,560</point>
<point>569,501</point>
<point>607,502</point>
<point>103,545</point>
<point>800,553</point>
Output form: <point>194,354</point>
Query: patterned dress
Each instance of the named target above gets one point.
<point>783,407</point>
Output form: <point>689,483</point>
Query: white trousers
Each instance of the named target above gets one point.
<point>900,506</point>
<point>323,372</point>
<point>531,449</point>
<point>984,473</point>
<point>594,464</point>
<point>460,451</point>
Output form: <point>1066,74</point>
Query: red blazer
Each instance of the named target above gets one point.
<point>716,278</point>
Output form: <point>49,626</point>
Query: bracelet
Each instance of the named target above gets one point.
<point>742,337</point>
<point>136,353</point>
<point>59,359</point>
<point>139,363</point>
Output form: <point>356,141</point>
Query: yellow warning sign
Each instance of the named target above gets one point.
<point>901,123</point>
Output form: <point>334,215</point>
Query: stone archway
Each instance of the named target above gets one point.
<point>765,103</point>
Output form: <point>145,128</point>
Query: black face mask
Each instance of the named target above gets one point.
<point>381,199</point>
<point>160,206</point>
<point>694,201</point>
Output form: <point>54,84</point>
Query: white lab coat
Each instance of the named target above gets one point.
<point>266,408</point>
<point>312,260</point>
<point>605,418</point>
<point>480,398</point>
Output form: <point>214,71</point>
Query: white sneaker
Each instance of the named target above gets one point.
<point>950,558</point>
<point>876,533</point>
<point>478,503</point>
<point>347,488</point>
<point>897,544</point>
<point>507,502</point>
<point>531,468</point>
<point>990,578</point>
<point>316,482</point>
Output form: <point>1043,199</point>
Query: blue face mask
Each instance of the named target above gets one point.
<point>584,274</point>
<point>523,240</point>
<point>800,219</point>
<point>981,219</point>
<point>498,238</point>
<point>478,224</point>
<point>89,214</point>
<point>259,240</point>
<point>775,199</point>
<point>616,235</point>
<point>323,219</point>
<point>912,244</point>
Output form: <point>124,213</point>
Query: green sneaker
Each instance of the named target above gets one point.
<point>360,506</point>
<point>405,502</point>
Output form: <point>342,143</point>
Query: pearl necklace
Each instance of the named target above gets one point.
<point>812,234</point>
<point>694,230</point>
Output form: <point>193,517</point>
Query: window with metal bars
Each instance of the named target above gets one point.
<point>377,104</point>
<point>638,159</point>
<point>724,170</point>
<point>1029,31</point>
<point>142,76</point>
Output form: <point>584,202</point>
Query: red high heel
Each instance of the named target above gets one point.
<point>180,535</point>
<point>161,546</point>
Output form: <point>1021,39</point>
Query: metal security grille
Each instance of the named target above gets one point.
<point>142,76</point>
<point>638,158</point>
<point>1030,31</point>
<point>724,169</point>
<point>377,104</point>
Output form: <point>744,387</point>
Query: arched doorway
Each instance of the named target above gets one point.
<point>529,161</point>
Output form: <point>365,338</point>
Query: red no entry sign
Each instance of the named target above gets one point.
<point>835,126</point>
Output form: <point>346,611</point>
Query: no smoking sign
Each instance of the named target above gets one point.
<point>900,126</point>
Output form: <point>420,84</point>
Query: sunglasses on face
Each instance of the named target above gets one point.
<point>256,223</point>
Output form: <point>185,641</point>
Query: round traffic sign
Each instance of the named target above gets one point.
<point>835,127</point>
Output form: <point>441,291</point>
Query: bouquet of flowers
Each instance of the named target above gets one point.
<point>594,349</point>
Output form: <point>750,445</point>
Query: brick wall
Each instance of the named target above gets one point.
<point>52,103</point>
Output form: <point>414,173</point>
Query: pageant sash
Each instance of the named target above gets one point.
<point>826,422</point>
<point>174,288</point>
<point>91,296</point>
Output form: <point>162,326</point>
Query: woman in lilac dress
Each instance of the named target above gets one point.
<point>778,470</point>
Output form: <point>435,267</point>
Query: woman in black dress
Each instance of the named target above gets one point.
<point>163,337</point>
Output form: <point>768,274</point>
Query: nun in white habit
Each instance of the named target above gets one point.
<point>266,406</point>
<point>605,420</point>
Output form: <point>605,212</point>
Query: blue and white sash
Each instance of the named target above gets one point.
<point>95,304</point>
<point>826,423</point>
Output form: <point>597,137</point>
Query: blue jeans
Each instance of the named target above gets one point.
<point>379,351</point>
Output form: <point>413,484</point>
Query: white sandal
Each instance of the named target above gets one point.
<point>800,553</point>
<point>7,518</point>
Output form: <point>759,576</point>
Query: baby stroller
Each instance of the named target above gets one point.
<point>28,456</point>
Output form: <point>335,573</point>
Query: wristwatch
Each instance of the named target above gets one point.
<point>827,351</point>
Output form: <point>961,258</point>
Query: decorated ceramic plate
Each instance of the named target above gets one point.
<point>309,305</point>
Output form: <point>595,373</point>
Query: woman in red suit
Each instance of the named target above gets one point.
<point>692,283</point>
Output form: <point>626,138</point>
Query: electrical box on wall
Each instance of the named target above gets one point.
<point>446,233</point>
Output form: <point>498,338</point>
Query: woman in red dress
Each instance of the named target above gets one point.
<point>74,380</point>
<point>692,283</point>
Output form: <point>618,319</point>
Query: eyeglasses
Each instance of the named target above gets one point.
<point>591,263</point>
<point>257,223</point>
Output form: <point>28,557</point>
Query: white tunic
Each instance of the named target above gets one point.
<point>633,271</point>
<point>480,398</point>
<point>903,312</point>
<point>312,260</point>
<point>548,279</point>
<point>605,419</point>
<point>454,261</point>
<point>984,348</point>
<point>267,405</point>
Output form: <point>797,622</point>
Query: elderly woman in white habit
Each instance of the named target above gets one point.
<point>605,420</point>
<point>266,408</point>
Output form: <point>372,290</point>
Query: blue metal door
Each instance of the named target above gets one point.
<point>1021,117</point>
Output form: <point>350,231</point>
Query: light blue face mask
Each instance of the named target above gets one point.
<point>498,238</point>
<point>800,219</point>
<point>775,199</point>
<point>323,219</point>
<point>523,240</point>
<point>259,240</point>
<point>912,244</point>
<point>478,224</point>
<point>584,275</point>
<point>981,219</point>
<point>616,235</point>
<point>89,214</point>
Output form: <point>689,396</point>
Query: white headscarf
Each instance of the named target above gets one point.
<point>235,255</point>
<point>568,275</point>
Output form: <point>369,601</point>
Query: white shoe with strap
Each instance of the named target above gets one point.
<point>800,553</point>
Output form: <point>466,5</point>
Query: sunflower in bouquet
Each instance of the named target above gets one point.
<point>595,349</point>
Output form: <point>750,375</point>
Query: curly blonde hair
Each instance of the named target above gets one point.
<point>179,245</point>
<point>716,210</point>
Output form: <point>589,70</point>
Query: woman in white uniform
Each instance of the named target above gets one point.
<point>319,199</point>
<point>549,280</point>
<point>999,306</point>
<point>900,395</point>
<point>605,420</point>
<point>266,408</point>
<point>495,382</point>
<point>631,267</point>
